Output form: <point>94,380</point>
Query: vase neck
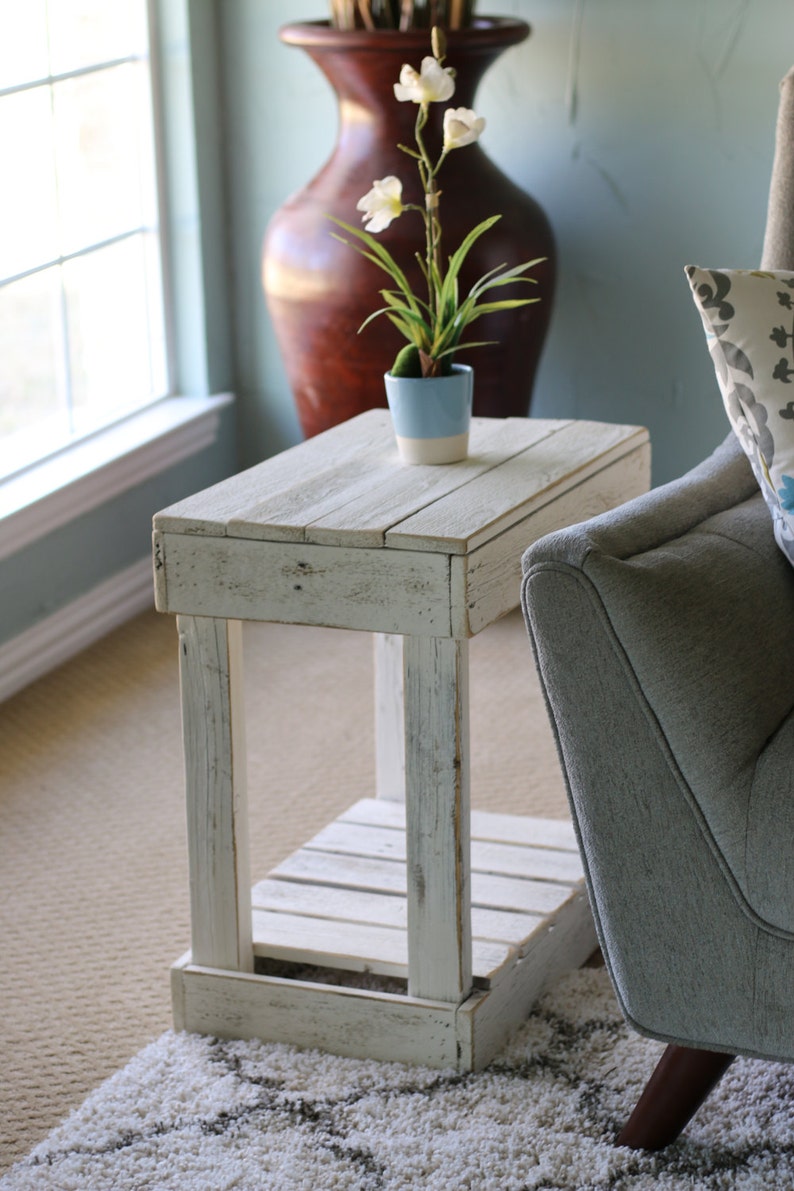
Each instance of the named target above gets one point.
<point>362,67</point>
<point>364,79</point>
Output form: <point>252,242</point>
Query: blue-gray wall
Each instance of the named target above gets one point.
<point>644,128</point>
<point>48,574</point>
<point>63,565</point>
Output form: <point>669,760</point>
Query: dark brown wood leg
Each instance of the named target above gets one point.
<point>680,1083</point>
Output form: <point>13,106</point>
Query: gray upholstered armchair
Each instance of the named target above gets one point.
<point>664,636</point>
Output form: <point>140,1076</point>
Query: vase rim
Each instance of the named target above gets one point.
<point>482,33</point>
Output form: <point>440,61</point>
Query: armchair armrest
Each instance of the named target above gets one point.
<point>663,633</point>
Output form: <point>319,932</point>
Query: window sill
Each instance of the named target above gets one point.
<point>79,479</point>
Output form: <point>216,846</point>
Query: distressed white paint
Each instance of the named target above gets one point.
<point>343,903</point>
<point>337,532</point>
<point>484,582</point>
<point>345,1021</point>
<point>485,825</point>
<point>525,482</point>
<point>564,941</point>
<point>361,947</point>
<point>209,512</point>
<point>387,591</point>
<point>486,855</point>
<point>389,717</point>
<point>496,891</point>
<point>210,654</point>
<point>341,899</point>
<point>437,817</point>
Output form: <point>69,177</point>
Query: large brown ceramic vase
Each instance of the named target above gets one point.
<point>319,291</point>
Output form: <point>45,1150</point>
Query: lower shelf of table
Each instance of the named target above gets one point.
<point>330,941</point>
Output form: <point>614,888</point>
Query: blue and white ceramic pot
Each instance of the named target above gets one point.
<point>432,415</point>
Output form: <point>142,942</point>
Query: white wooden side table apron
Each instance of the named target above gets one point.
<point>475,913</point>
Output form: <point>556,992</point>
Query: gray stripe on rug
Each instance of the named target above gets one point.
<point>203,1114</point>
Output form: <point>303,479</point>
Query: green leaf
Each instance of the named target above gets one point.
<point>494,307</point>
<point>408,321</point>
<point>377,254</point>
<point>459,347</point>
<point>501,276</point>
<point>459,256</point>
<point>410,332</point>
<point>393,298</point>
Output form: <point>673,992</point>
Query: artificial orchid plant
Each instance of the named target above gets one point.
<point>433,325</point>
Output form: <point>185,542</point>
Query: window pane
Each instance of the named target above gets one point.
<point>23,43</point>
<point>107,302</point>
<point>87,31</point>
<point>31,384</point>
<point>102,127</point>
<point>82,327</point>
<point>27,193</point>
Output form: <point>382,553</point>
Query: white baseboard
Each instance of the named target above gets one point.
<point>59,637</point>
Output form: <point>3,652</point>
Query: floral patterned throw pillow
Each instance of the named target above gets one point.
<point>748,316</point>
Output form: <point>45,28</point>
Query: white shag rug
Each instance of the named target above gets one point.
<point>198,1114</point>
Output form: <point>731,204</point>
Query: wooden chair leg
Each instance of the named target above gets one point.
<point>680,1083</point>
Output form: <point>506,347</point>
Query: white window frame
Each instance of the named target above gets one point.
<point>87,473</point>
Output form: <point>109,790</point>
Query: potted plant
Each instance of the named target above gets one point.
<point>430,395</point>
<point>317,289</point>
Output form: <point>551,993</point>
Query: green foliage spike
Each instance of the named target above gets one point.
<point>433,325</point>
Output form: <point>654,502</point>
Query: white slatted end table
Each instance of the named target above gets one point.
<point>465,916</point>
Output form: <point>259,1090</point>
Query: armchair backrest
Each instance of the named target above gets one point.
<point>778,252</point>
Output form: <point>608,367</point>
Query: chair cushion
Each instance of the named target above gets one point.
<point>713,666</point>
<point>748,317</point>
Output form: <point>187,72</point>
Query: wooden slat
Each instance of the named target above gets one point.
<point>354,946</point>
<point>495,501</point>
<point>355,905</point>
<point>208,512</point>
<point>400,492</point>
<point>563,943</point>
<point>389,718</point>
<point>357,839</point>
<point>210,655</point>
<point>548,864</point>
<point>388,876</point>
<point>485,583</point>
<point>320,901</point>
<point>355,498</point>
<point>530,830</point>
<point>285,515</point>
<point>344,1021</point>
<point>298,583</point>
<point>485,825</point>
<point>437,840</point>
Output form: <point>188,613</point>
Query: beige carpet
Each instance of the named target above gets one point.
<point>93,890</point>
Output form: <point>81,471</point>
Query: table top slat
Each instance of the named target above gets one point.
<point>348,488</point>
<point>209,512</point>
<point>498,499</point>
<point>355,500</point>
<point>403,491</point>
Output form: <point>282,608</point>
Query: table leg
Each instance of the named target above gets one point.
<point>438,818</point>
<point>389,717</point>
<point>213,726</point>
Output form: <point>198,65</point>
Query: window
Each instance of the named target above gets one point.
<point>82,339</point>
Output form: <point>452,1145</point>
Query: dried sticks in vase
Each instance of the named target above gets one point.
<point>401,14</point>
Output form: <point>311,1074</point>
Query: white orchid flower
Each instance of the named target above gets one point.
<point>434,84</point>
<point>382,204</point>
<point>462,127</point>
